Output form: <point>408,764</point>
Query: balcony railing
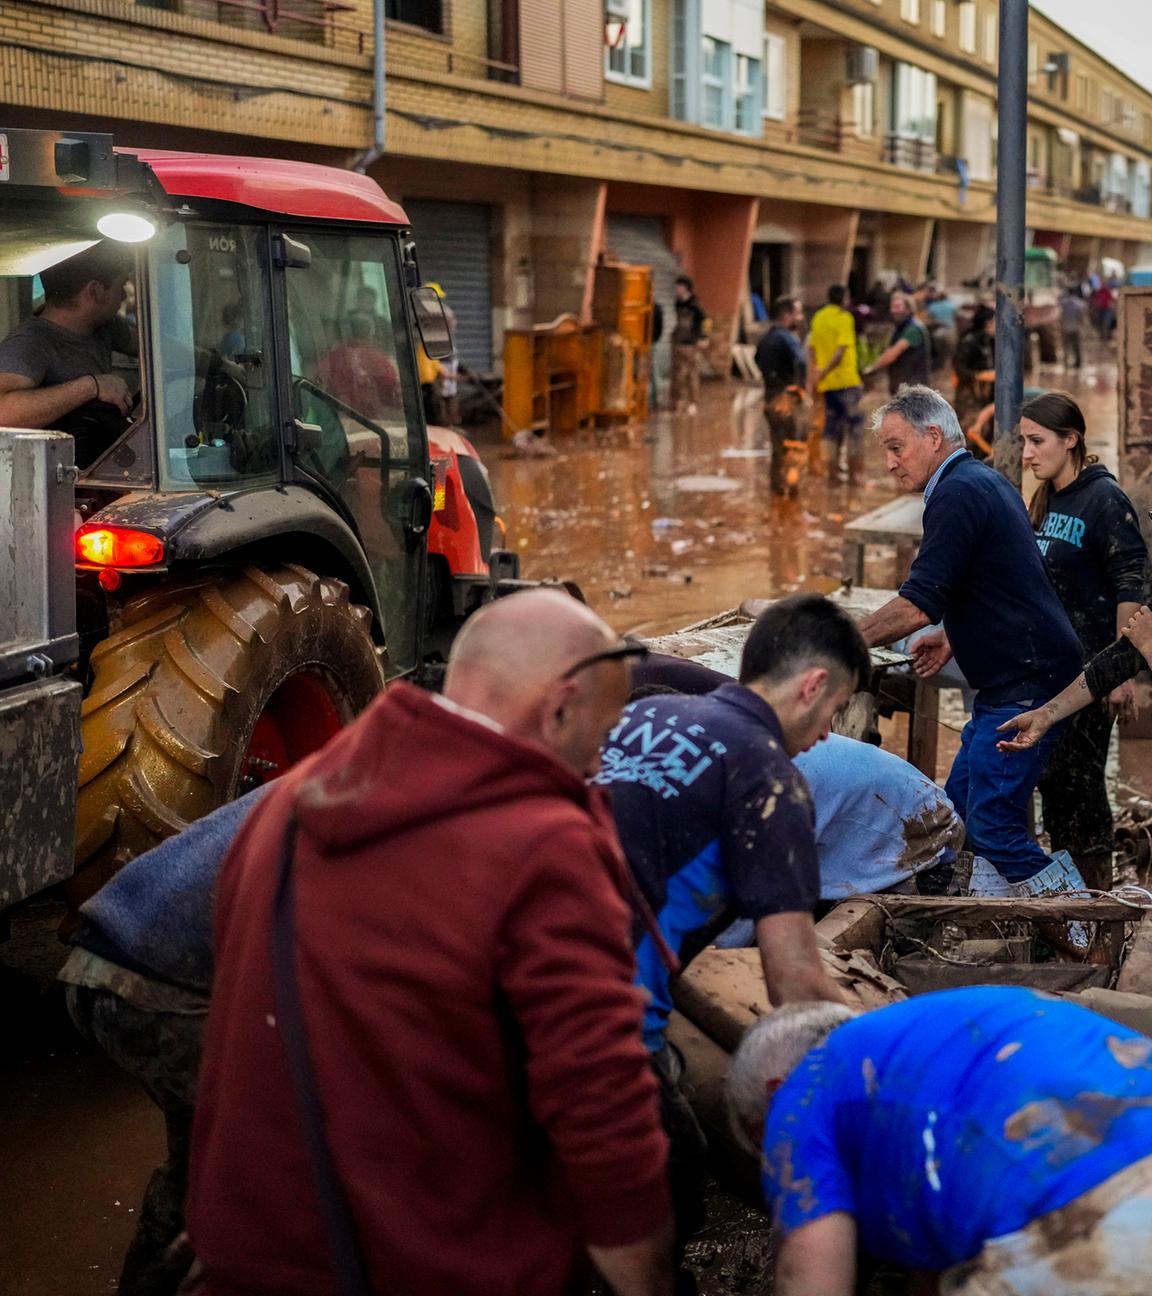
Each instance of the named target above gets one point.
<point>913,154</point>
<point>324,22</point>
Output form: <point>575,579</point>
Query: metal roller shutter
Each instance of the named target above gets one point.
<point>639,240</point>
<point>453,246</point>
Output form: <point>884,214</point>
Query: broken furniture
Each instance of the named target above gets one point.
<point>552,376</point>
<point>900,522</point>
<point>622,307</point>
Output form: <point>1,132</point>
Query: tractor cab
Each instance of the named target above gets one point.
<point>262,536</point>
<point>266,331</point>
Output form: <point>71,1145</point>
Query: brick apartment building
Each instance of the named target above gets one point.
<point>780,146</point>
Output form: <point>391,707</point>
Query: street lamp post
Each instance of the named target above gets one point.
<point>1011,184</point>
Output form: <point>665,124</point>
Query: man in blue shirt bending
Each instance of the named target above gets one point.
<point>980,572</point>
<point>996,1137</point>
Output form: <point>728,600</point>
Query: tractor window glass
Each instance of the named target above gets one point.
<point>355,403</point>
<point>211,333</point>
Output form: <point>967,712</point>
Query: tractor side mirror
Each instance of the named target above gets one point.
<point>294,255</point>
<point>432,323</point>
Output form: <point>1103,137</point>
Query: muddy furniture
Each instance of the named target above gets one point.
<point>880,949</point>
<point>719,641</point>
<point>552,376</point>
<point>900,522</point>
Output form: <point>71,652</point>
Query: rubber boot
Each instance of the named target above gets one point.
<point>1096,870</point>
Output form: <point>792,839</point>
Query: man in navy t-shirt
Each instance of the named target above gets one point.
<point>995,1136</point>
<point>715,820</point>
<point>980,572</point>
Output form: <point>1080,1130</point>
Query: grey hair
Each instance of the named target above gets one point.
<point>770,1051</point>
<point>922,407</point>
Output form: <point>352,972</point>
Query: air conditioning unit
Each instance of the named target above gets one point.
<point>863,64</point>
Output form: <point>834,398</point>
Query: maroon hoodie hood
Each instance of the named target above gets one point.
<point>360,787</point>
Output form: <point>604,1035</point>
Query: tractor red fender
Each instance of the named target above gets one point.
<point>465,528</point>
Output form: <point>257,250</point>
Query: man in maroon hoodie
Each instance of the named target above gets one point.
<point>465,982</point>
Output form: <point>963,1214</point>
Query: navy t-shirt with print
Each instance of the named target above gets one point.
<point>714,818</point>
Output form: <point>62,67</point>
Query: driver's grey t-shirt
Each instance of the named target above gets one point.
<point>47,354</point>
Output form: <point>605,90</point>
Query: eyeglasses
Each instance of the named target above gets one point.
<point>627,647</point>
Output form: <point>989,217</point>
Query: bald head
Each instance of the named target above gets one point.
<point>508,663</point>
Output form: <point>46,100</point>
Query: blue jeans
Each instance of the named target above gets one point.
<point>842,417</point>
<point>992,790</point>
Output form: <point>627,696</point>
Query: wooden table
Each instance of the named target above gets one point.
<point>900,522</point>
<point>719,642</point>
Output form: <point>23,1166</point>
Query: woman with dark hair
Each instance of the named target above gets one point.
<point>1088,533</point>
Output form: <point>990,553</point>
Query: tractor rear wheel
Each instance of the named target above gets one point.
<point>210,688</point>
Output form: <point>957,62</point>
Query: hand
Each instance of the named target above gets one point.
<point>1139,632</point>
<point>930,653</point>
<point>113,390</point>
<point>1029,726</point>
<point>1122,702</point>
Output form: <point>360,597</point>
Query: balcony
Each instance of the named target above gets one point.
<point>912,154</point>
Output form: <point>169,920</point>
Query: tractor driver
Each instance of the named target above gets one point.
<point>60,359</point>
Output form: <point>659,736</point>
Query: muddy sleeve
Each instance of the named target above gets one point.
<point>566,968</point>
<point>769,842</point>
<point>1109,669</point>
<point>1125,555</point>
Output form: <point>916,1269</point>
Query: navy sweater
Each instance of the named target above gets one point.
<point>980,572</point>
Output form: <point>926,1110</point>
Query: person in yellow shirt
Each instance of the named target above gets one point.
<point>834,372</point>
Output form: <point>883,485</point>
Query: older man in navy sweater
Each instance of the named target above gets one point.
<point>980,572</point>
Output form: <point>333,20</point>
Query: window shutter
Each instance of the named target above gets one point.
<point>541,53</point>
<point>584,48</point>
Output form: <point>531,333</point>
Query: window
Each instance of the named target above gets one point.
<point>746,119</point>
<point>910,10</point>
<point>979,128</point>
<point>991,35</point>
<point>428,14</point>
<point>626,59</point>
<point>1081,92</point>
<point>914,108</point>
<point>715,63</point>
<point>1033,63</point>
<point>939,17</point>
<point>218,421</point>
<point>968,26</point>
<point>864,110</point>
<point>1107,105</point>
<point>348,346</point>
<point>774,81</point>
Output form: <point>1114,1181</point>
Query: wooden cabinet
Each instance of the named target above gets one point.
<point>622,306</point>
<point>552,376</point>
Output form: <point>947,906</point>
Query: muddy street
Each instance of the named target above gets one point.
<point>661,526</point>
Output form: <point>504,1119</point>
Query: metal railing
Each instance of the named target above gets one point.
<point>914,154</point>
<point>323,22</point>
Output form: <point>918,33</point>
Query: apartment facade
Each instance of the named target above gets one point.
<point>778,146</point>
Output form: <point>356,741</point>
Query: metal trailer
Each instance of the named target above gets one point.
<point>39,703</point>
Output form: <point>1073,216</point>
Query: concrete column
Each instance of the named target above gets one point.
<point>904,244</point>
<point>964,251</point>
<point>828,244</point>
<point>567,230</point>
<point>716,246</point>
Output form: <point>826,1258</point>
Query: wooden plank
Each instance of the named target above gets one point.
<point>924,728</point>
<point>854,924</point>
<point>923,975</point>
<point>969,911</point>
<point>1136,973</point>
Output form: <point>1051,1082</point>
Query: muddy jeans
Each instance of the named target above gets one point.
<point>1100,1244</point>
<point>783,413</point>
<point>842,417</point>
<point>1077,812</point>
<point>162,1051</point>
<point>685,373</point>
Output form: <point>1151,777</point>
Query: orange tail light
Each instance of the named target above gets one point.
<point>107,546</point>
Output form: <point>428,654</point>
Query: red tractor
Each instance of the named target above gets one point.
<point>271,532</point>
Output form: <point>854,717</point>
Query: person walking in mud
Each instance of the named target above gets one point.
<point>780,359</point>
<point>690,327</point>
<point>979,572</point>
<point>994,1141</point>
<point>834,375</point>
<point>1090,539</point>
<point>975,366</point>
